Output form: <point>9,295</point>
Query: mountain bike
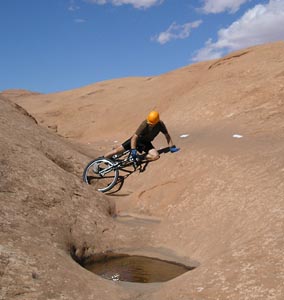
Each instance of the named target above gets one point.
<point>103,173</point>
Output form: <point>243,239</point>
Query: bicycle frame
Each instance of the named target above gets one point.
<point>126,161</point>
<point>107,170</point>
<point>120,163</point>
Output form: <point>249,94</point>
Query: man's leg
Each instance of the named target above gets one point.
<point>152,154</point>
<point>124,146</point>
<point>117,150</point>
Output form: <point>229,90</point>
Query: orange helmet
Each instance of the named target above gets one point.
<point>153,117</point>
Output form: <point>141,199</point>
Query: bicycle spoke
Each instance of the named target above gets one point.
<point>101,174</point>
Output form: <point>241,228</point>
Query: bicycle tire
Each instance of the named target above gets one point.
<point>105,179</point>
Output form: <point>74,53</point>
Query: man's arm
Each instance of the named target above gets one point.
<point>172,147</point>
<point>133,141</point>
<point>164,130</point>
<point>169,140</point>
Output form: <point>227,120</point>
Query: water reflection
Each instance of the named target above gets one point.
<point>136,269</point>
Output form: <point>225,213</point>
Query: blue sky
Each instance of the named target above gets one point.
<point>54,45</point>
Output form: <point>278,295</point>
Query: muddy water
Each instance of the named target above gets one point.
<point>137,269</point>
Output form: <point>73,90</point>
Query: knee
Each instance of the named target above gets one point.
<point>153,154</point>
<point>156,157</point>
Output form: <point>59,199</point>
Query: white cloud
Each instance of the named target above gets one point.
<point>79,20</point>
<point>135,3</point>
<point>73,6</point>
<point>176,31</point>
<point>261,24</point>
<point>218,6</point>
<point>97,1</point>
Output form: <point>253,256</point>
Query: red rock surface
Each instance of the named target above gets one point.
<point>219,201</point>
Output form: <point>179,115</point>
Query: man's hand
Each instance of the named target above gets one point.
<point>174,149</point>
<point>134,153</point>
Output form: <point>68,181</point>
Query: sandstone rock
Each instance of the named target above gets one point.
<point>219,201</point>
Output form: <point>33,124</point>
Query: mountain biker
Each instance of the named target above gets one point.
<point>141,140</point>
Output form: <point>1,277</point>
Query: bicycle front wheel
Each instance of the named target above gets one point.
<point>101,173</point>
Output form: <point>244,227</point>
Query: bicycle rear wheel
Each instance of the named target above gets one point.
<point>101,173</point>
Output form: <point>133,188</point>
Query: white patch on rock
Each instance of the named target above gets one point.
<point>237,136</point>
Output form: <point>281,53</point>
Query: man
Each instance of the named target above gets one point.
<point>141,140</point>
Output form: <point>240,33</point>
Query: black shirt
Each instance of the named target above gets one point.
<point>147,133</point>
